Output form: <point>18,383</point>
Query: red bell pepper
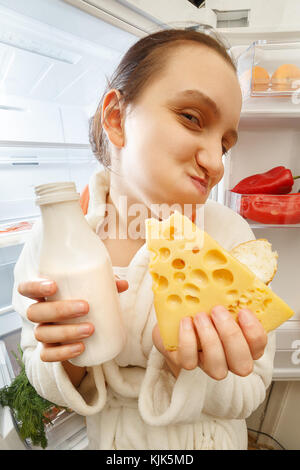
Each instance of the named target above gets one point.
<point>268,209</point>
<point>279,180</point>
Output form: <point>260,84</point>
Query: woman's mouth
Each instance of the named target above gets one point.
<point>200,184</point>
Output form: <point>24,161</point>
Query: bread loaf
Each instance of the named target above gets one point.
<point>258,256</point>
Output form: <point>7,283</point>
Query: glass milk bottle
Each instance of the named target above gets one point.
<point>77,260</point>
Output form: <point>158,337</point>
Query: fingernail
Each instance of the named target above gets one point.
<point>75,349</point>
<point>84,330</point>
<point>79,308</point>
<point>245,316</point>
<point>220,313</point>
<point>47,287</point>
<point>202,319</point>
<point>186,323</point>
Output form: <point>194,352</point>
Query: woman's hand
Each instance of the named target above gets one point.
<point>47,315</point>
<point>216,343</point>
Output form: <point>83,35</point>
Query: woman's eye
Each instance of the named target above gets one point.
<point>191,118</point>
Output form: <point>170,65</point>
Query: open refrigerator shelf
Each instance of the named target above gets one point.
<point>45,145</point>
<point>269,111</point>
<point>16,232</point>
<point>32,164</point>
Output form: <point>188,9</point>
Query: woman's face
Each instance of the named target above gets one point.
<point>179,128</point>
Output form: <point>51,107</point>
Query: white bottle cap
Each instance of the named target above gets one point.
<point>56,192</point>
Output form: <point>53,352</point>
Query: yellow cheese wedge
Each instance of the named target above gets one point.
<point>191,273</point>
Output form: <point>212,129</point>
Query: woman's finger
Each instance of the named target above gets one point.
<point>60,353</point>
<point>51,333</point>
<point>235,346</point>
<point>37,289</point>
<point>212,357</point>
<point>254,333</point>
<point>56,311</point>
<point>187,345</point>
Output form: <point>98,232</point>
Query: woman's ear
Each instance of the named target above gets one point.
<point>112,117</point>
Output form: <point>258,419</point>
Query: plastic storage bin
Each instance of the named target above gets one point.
<point>269,69</point>
<point>269,209</point>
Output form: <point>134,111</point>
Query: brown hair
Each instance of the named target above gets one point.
<point>140,63</point>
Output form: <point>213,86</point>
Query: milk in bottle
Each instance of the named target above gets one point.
<point>77,260</point>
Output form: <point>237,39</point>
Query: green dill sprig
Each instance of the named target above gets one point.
<point>29,408</point>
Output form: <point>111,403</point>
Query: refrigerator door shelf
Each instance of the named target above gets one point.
<point>67,431</point>
<point>288,336</point>
<point>286,364</point>
<point>9,435</point>
<point>8,258</point>
<point>268,68</point>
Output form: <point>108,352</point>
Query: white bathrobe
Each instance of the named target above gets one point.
<point>133,401</point>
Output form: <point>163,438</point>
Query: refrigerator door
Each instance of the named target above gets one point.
<point>67,431</point>
<point>269,137</point>
<point>54,62</point>
<point>9,435</point>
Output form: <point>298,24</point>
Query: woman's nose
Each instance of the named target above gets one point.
<point>210,161</point>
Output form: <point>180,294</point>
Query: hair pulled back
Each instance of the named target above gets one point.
<point>144,60</point>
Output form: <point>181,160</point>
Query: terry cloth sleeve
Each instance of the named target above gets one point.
<point>165,400</point>
<point>50,379</point>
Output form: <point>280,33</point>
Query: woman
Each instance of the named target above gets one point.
<point>169,114</point>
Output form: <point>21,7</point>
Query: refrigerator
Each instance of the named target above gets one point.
<point>55,56</point>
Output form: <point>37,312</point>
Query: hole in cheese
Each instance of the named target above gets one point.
<point>174,300</point>
<point>162,283</point>
<point>267,302</point>
<point>178,263</point>
<point>200,276</point>
<point>213,258</point>
<point>180,277</point>
<point>155,276</point>
<point>164,253</point>
<point>191,289</point>
<point>232,295</point>
<point>223,277</point>
<point>192,300</point>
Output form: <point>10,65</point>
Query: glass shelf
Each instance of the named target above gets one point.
<point>16,232</point>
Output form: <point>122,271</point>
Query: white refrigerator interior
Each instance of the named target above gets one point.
<point>54,60</point>
<point>55,56</point>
